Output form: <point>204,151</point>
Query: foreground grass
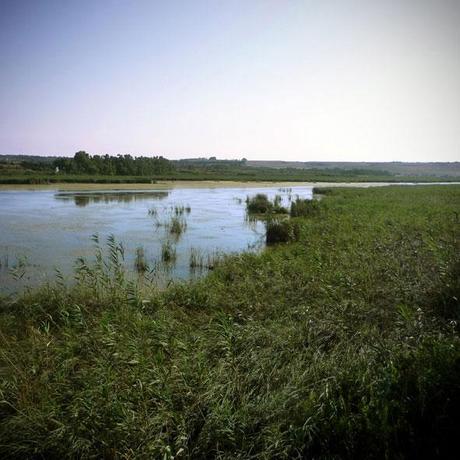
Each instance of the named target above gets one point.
<point>343,344</point>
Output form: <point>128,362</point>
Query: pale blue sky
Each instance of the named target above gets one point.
<point>293,80</point>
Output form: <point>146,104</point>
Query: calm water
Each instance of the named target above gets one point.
<point>44,230</point>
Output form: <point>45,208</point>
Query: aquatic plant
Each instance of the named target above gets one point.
<point>140,263</point>
<point>201,261</point>
<point>18,270</point>
<point>5,261</point>
<point>107,270</point>
<point>260,204</point>
<point>213,259</point>
<point>179,210</point>
<point>196,259</point>
<point>168,252</point>
<point>177,226</point>
<point>277,201</point>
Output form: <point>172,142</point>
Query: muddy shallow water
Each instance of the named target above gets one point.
<point>42,230</point>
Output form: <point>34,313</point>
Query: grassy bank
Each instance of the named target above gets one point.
<point>250,174</point>
<point>343,344</point>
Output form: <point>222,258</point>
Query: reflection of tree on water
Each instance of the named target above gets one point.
<point>84,199</point>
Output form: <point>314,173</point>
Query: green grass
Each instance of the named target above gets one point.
<point>304,208</point>
<point>242,173</point>
<point>343,344</point>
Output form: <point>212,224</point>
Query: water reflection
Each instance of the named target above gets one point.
<point>82,199</point>
<point>53,228</point>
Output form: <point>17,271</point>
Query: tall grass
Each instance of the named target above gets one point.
<point>304,207</point>
<point>204,261</point>
<point>180,210</point>
<point>168,253</point>
<point>177,225</point>
<point>140,262</point>
<point>342,344</point>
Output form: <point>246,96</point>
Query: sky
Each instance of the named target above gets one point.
<point>300,80</point>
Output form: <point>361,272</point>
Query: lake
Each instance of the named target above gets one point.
<point>45,230</point>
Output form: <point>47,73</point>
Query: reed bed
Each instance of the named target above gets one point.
<point>343,343</point>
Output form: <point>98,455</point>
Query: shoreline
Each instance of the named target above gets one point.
<point>203,184</point>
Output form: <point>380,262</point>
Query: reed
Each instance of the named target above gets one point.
<point>140,262</point>
<point>168,253</point>
<point>177,225</point>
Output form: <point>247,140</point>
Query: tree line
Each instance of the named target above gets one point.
<point>120,165</point>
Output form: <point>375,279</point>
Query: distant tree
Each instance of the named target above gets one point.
<point>123,165</point>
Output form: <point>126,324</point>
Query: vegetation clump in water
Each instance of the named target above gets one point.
<point>260,204</point>
<point>201,261</point>
<point>177,225</point>
<point>168,253</point>
<point>179,210</point>
<point>140,262</point>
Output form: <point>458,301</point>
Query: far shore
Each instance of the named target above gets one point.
<point>203,184</point>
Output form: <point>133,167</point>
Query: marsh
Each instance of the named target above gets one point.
<point>45,230</point>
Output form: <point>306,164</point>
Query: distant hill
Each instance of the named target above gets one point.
<point>28,158</point>
<point>397,168</point>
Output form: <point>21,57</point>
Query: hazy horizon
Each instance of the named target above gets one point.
<point>374,81</point>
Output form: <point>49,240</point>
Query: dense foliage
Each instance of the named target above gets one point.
<point>303,208</point>
<point>121,165</point>
<point>260,204</point>
<point>85,168</point>
<point>343,344</point>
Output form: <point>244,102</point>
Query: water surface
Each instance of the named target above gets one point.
<point>43,230</point>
